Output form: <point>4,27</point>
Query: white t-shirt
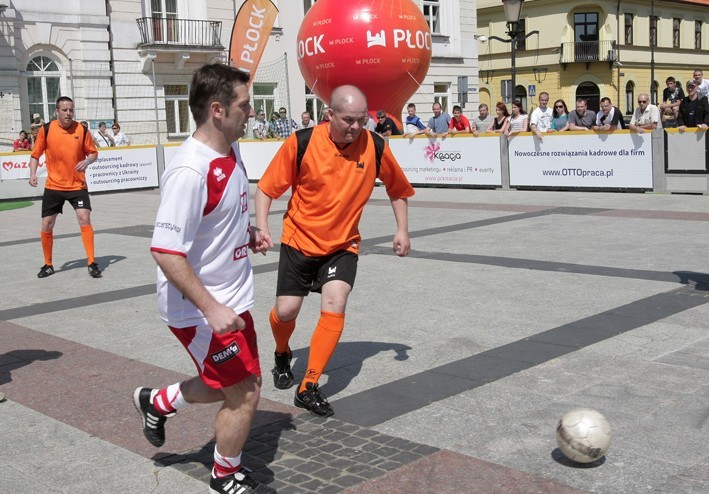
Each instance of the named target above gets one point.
<point>703,88</point>
<point>204,216</point>
<point>541,118</point>
<point>121,139</point>
<point>102,141</point>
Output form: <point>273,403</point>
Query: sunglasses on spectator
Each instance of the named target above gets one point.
<point>559,106</point>
<point>642,101</point>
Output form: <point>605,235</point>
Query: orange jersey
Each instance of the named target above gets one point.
<point>63,151</point>
<point>331,190</point>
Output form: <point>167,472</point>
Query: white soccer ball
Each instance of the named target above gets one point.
<point>583,435</point>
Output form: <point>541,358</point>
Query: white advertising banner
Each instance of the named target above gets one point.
<point>123,168</point>
<point>619,159</point>
<point>16,166</point>
<point>450,161</point>
<point>257,155</point>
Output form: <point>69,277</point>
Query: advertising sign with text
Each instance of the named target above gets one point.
<point>450,161</point>
<point>621,159</point>
<point>123,168</point>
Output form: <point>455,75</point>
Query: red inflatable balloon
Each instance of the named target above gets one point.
<point>382,47</point>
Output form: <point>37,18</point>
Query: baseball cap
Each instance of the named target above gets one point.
<point>36,115</point>
<point>691,82</point>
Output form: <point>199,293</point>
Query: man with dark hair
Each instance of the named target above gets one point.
<point>205,281</point>
<point>610,117</point>
<point>69,150</point>
<point>581,118</point>
<point>285,126</point>
<point>385,125</point>
<point>320,241</point>
<point>671,97</point>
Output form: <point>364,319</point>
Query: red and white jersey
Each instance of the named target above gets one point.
<point>204,216</point>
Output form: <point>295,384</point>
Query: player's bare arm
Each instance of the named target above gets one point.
<point>178,271</point>
<point>82,165</point>
<point>263,206</point>
<point>402,242</point>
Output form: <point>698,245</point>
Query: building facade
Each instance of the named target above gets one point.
<point>613,48</point>
<point>131,61</point>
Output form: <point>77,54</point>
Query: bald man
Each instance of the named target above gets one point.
<point>320,241</point>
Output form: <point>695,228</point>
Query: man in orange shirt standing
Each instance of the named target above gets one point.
<point>69,150</point>
<point>331,184</point>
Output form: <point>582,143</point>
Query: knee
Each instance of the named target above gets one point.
<point>286,312</point>
<point>244,394</point>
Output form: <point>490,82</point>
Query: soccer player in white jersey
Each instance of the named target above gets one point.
<point>205,281</point>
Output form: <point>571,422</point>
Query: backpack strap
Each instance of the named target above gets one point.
<point>46,132</point>
<point>378,149</point>
<point>303,137</point>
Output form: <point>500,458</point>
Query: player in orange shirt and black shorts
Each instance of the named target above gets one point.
<point>320,241</point>
<point>69,151</point>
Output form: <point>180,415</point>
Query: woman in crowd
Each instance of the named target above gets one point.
<point>518,120</point>
<point>22,143</point>
<point>498,123</point>
<point>272,132</point>
<point>560,117</point>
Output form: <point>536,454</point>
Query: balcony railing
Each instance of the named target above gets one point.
<point>589,51</point>
<point>170,31</point>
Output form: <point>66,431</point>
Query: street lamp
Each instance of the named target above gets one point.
<point>513,11</point>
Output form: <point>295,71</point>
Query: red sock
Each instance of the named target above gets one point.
<point>282,331</point>
<point>322,345</point>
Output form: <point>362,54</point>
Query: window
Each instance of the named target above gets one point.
<point>521,31</point>
<point>43,87</point>
<point>313,105</point>
<point>264,98</point>
<point>697,35</point>
<point>432,13</point>
<point>653,30</point>
<point>629,29</point>
<point>654,91</point>
<point>177,109</point>
<point>164,14</point>
<point>586,37</point>
<point>675,32</point>
<point>629,98</point>
<point>440,94</point>
<point>521,95</point>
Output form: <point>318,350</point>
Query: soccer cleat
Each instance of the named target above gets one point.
<point>153,422</point>
<point>238,483</point>
<point>46,270</point>
<point>94,270</point>
<point>282,375</point>
<point>313,400</point>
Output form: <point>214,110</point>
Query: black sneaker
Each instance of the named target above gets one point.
<point>282,375</point>
<point>153,422</point>
<point>313,400</point>
<point>238,483</point>
<point>46,270</point>
<point>94,270</point>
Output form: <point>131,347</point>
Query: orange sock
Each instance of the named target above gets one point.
<point>282,331</point>
<point>87,237</point>
<point>47,246</point>
<point>322,345</point>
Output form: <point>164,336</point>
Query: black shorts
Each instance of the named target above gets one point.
<point>53,200</point>
<point>299,274</point>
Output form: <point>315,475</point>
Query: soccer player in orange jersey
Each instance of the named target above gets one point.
<point>69,150</point>
<point>320,241</point>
